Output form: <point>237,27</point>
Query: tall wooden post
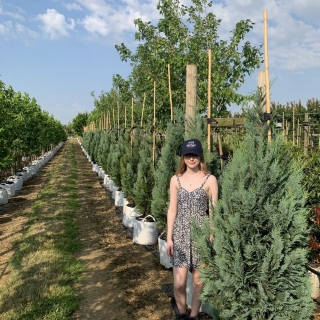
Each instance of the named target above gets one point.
<point>266,63</point>
<point>293,127</point>
<point>209,98</point>
<point>170,93</point>
<point>154,124</point>
<point>191,92</point>
<point>143,105</point>
<point>306,135</point>
<point>118,106</point>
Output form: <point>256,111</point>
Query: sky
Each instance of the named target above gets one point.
<point>60,51</point>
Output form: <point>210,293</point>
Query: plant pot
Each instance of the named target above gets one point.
<point>10,187</point>
<point>145,230</point>
<point>3,196</point>
<point>130,216</point>
<point>114,189</point>
<point>118,199</point>
<point>124,204</point>
<point>164,258</point>
<point>314,273</point>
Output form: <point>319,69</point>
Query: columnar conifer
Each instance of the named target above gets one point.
<point>255,268</point>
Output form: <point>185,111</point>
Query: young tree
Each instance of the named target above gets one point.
<point>78,122</point>
<point>255,268</point>
<point>166,167</point>
<point>183,36</point>
<point>129,164</point>
<point>142,190</point>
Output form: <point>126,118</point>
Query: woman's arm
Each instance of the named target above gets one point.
<point>172,212</point>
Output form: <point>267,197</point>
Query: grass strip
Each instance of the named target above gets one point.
<point>43,267</point>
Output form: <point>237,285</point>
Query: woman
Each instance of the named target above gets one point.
<point>190,190</point>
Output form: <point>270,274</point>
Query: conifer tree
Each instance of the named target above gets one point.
<point>112,143</point>
<point>104,149</point>
<point>142,190</point>
<point>255,268</point>
<point>115,159</point>
<point>129,164</point>
<point>87,142</point>
<point>166,167</point>
<point>95,146</point>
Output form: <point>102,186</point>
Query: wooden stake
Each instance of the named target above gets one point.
<point>293,128</point>
<point>209,99</point>
<point>191,92</point>
<point>125,116</point>
<point>113,118</point>
<point>266,62</point>
<point>143,105</point>
<point>170,93</point>
<point>132,122</point>
<point>154,123</point>
<point>118,106</point>
<point>306,135</point>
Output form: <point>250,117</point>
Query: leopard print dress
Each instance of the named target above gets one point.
<point>191,206</point>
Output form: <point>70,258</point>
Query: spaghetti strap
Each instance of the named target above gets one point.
<point>205,180</point>
<point>178,181</point>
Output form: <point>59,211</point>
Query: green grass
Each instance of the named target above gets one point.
<point>43,267</point>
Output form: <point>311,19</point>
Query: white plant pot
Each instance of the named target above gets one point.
<point>114,190</point>
<point>124,204</point>
<point>10,187</point>
<point>118,199</point>
<point>110,185</point>
<point>315,289</point>
<point>145,232</point>
<point>164,258</point>
<point>130,216</point>
<point>18,182</point>
<point>106,181</point>
<point>3,196</point>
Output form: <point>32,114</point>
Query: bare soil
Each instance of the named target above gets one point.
<point>122,280</point>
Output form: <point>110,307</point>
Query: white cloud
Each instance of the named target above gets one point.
<point>55,24</point>
<point>6,30</point>
<point>10,30</point>
<point>116,16</point>
<point>15,15</point>
<point>95,24</point>
<point>72,6</point>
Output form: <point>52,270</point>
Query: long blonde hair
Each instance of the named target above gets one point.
<point>183,167</point>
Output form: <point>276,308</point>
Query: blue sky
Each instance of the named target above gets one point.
<point>60,51</point>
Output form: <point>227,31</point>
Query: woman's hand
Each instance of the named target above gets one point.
<point>170,248</point>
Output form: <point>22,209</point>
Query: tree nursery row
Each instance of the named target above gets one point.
<point>265,223</point>
<point>26,131</point>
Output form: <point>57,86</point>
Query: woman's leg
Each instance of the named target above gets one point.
<point>197,289</point>
<point>179,287</point>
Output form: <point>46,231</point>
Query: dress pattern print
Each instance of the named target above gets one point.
<point>192,206</point>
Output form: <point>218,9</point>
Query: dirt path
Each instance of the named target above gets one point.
<point>123,280</point>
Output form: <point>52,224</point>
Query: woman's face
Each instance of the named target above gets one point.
<point>191,160</point>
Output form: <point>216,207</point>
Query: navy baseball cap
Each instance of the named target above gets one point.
<point>192,146</point>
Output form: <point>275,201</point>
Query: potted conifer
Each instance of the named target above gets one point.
<point>255,268</point>
<point>129,169</point>
<point>142,194</point>
<point>166,167</point>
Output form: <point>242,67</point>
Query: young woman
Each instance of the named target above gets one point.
<point>190,190</point>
